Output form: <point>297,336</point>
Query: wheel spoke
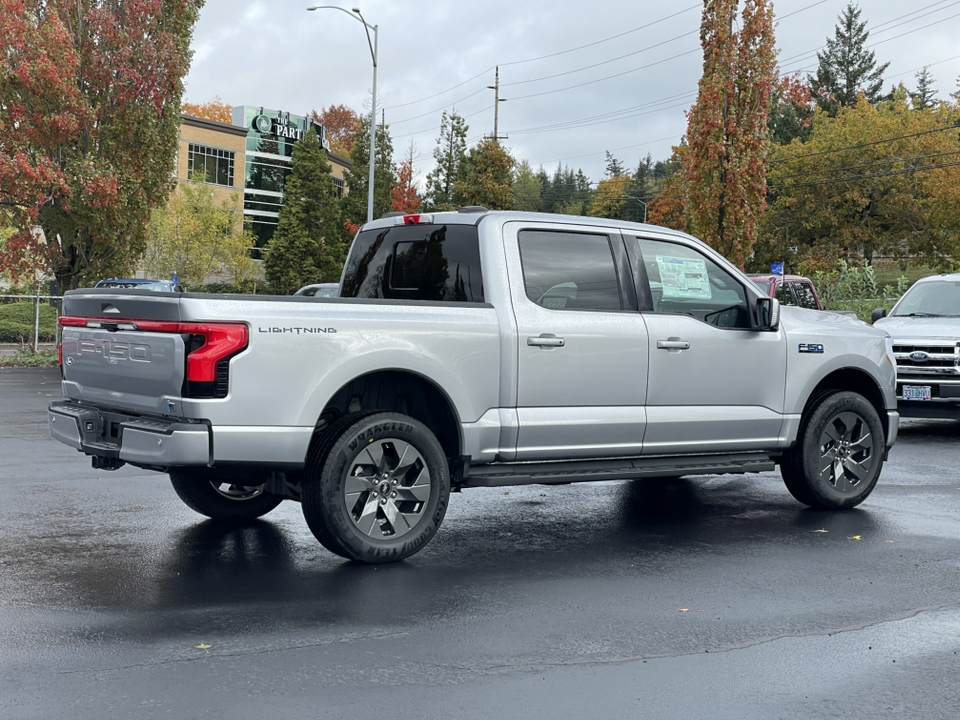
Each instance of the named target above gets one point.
<point>419,493</point>
<point>398,521</point>
<point>827,460</point>
<point>833,433</point>
<point>356,484</point>
<point>859,470</point>
<point>864,443</point>
<point>374,453</point>
<point>368,517</point>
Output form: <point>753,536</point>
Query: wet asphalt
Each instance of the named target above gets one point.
<point>709,597</point>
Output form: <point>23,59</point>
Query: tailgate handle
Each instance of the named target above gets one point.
<point>545,340</point>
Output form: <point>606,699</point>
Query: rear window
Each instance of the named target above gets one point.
<point>415,262</point>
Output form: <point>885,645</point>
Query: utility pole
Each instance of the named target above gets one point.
<point>496,108</point>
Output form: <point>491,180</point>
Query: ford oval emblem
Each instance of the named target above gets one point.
<point>919,356</point>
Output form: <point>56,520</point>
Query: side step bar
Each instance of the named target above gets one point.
<point>529,473</point>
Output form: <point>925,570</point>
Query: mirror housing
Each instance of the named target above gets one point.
<point>877,314</point>
<point>768,314</point>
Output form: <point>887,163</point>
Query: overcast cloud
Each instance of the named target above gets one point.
<point>629,83</point>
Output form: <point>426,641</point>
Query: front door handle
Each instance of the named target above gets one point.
<point>546,340</point>
<point>673,344</point>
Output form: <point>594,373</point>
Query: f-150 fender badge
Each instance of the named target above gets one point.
<point>811,348</point>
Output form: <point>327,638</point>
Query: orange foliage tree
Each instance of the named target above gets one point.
<point>725,165</point>
<point>216,110</point>
<point>341,124</point>
<point>404,196</point>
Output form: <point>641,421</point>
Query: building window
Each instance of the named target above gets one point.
<point>338,187</point>
<point>210,165</point>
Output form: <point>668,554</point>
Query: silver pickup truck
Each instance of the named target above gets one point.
<point>474,349</point>
<point>925,327</point>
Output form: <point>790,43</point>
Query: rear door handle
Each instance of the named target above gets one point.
<point>673,344</point>
<point>546,340</point>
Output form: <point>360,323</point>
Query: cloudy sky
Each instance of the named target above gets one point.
<point>578,78</point>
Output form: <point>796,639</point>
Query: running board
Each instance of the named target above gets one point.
<point>528,473</point>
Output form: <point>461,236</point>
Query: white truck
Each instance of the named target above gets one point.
<point>471,349</point>
<point>925,327</point>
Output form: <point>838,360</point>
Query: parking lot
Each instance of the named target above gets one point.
<point>714,596</point>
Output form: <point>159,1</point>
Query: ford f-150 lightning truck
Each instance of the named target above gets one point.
<point>474,349</point>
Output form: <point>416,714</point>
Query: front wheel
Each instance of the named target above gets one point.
<point>223,500</point>
<point>380,492</point>
<point>837,458</point>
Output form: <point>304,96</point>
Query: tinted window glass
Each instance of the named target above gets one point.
<point>764,286</point>
<point>569,271</point>
<point>415,262</point>
<point>686,282</point>
<point>805,295</point>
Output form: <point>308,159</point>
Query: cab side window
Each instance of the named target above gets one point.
<point>683,281</point>
<point>805,296</point>
<point>569,271</point>
<point>785,294</point>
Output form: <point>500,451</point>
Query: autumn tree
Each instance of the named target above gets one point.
<point>725,163</point>
<point>667,208</point>
<point>341,125</point>
<point>874,180</point>
<point>486,178</point>
<point>216,110</point>
<point>405,197</point>
<point>846,67</point>
<point>90,97</point>
<point>196,237</point>
<point>611,197</point>
<point>791,110</point>
<point>357,178</point>
<point>309,245</point>
<point>450,155</point>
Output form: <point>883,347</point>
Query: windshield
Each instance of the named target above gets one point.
<point>931,299</point>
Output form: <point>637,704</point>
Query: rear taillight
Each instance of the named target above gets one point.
<point>208,347</point>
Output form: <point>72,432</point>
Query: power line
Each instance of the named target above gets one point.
<point>863,145</point>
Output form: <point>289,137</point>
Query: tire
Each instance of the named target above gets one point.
<point>223,500</point>
<point>376,487</point>
<point>838,455</point>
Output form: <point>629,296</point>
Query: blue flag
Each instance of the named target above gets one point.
<point>176,280</point>
<point>776,268</point>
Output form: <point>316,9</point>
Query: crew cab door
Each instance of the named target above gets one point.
<point>582,350</point>
<point>714,384</point>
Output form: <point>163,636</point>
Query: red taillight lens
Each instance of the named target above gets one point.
<point>220,341</point>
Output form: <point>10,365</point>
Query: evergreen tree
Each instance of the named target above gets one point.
<point>846,67</point>
<point>925,96</point>
<point>527,188</point>
<point>956,93</point>
<point>487,177</point>
<point>614,166</point>
<point>310,244</point>
<point>450,155</point>
<point>357,178</point>
<point>546,192</point>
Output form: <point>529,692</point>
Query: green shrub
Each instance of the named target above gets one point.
<point>850,287</point>
<point>28,359</point>
<point>17,322</point>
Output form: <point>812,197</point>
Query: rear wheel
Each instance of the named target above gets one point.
<point>377,489</point>
<point>223,500</point>
<point>838,456</point>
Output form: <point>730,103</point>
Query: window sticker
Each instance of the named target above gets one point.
<point>684,277</point>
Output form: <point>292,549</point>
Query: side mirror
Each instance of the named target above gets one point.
<point>768,314</point>
<point>877,314</point>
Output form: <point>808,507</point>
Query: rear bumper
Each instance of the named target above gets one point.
<point>139,441</point>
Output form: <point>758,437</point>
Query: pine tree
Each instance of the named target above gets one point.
<point>527,188</point>
<point>309,245</point>
<point>925,96</point>
<point>846,67</point>
<point>450,155</point>
<point>614,166</point>
<point>357,178</point>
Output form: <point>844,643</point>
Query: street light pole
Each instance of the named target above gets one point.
<point>374,47</point>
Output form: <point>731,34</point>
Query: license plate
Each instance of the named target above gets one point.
<point>916,392</point>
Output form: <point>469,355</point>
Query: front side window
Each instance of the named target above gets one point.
<point>683,281</point>
<point>569,271</point>
<point>210,165</point>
